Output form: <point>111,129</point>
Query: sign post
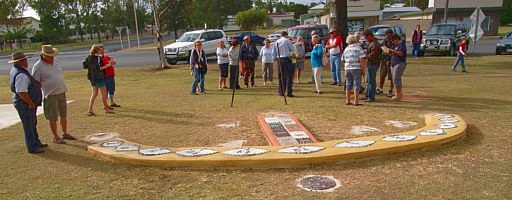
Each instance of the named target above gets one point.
<point>119,29</point>
<point>476,31</point>
<point>128,34</point>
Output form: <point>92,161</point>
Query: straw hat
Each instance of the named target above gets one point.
<point>49,50</point>
<point>18,56</point>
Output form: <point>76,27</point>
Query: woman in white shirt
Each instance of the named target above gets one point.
<point>353,58</point>
<point>223,61</point>
<point>267,62</point>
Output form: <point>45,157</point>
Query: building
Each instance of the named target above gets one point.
<point>361,14</point>
<point>393,12</point>
<point>460,11</point>
<point>29,22</point>
<point>283,19</point>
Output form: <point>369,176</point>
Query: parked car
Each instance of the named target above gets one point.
<point>305,31</point>
<point>505,44</point>
<point>275,35</point>
<point>254,37</point>
<point>443,38</point>
<point>180,50</point>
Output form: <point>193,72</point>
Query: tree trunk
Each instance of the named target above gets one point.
<point>79,24</point>
<point>219,19</point>
<point>158,18</point>
<point>342,18</point>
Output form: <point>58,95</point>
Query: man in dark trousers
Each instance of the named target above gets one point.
<point>285,74</point>
<point>27,96</point>
<point>416,37</point>
<point>249,55</point>
<point>373,55</point>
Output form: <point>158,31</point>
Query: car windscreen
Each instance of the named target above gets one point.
<point>509,35</point>
<point>188,37</point>
<point>379,31</point>
<point>441,30</point>
<point>299,32</point>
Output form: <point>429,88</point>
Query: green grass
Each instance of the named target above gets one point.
<point>158,110</point>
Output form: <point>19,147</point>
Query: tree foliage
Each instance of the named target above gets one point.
<point>506,13</point>
<point>250,19</point>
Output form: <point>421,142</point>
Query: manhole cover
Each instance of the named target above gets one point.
<point>319,183</point>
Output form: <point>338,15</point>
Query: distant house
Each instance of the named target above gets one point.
<point>361,14</point>
<point>309,18</point>
<point>31,23</point>
<point>284,19</point>
<point>393,12</point>
<point>460,11</point>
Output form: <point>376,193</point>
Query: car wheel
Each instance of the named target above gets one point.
<point>498,52</point>
<point>421,53</point>
<point>171,61</point>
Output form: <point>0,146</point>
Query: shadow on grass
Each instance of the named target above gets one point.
<point>157,116</point>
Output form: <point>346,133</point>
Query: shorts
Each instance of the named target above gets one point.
<point>300,64</point>
<point>398,71</point>
<point>223,70</point>
<point>385,70</point>
<point>110,82</point>
<point>353,79</point>
<point>55,106</point>
<point>98,83</point>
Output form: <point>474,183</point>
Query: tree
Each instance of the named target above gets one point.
<point>10,16</point>
<point>250,19</point>
<point>506,13</point>
<point>158,19</point>
<point>52,17</point>
<point>342,18</point>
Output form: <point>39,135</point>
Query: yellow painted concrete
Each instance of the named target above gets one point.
<point>274,159</point>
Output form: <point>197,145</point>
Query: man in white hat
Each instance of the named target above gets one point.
<point>26,97</point>
<point>49,73</point>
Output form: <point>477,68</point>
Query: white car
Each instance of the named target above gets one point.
<point>275,35</point>
<point>180,50</point>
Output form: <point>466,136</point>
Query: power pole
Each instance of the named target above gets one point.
<point>136,24</point>
<point>446,11</point>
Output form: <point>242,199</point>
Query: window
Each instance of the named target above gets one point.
<point>355,25</point>
<point>214,35</point>
<point>204,36</point>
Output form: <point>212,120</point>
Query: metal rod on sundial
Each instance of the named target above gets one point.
<point>236,75</point>
<point>281,71</point>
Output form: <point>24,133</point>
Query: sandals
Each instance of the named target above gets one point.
<point>90,113</point>
<point>115,105</point>
<point>58,141</point>
<point>68,136</point>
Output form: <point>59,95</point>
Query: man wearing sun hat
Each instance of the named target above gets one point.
<point>26,97</point>
<point>48,72</point>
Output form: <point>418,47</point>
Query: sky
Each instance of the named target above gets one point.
<point>31,13</point>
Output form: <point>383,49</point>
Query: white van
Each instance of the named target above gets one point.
<point>180,50</point>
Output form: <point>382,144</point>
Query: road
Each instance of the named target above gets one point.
<point>72,60</point>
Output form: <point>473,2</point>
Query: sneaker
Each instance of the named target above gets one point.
<point>320,92</point>
<point>379,91</point>
<point>453,70</point>
<point>391,93</point>
<point>464,70</point>
<point>334,83</point>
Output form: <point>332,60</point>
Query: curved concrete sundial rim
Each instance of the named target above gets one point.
<point>276,157</point>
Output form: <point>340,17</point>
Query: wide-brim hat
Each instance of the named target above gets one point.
<point>49,50</point>
<point>18,56</point>
<point>333,30</point>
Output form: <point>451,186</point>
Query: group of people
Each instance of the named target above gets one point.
<point>353,60</point>
<point>45,86</point>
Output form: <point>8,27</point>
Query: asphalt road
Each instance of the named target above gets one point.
<point>72,60</point>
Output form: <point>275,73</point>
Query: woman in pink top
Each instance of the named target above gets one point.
<point>461,52</point>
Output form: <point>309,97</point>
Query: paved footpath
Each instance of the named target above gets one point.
<point>10,116</point>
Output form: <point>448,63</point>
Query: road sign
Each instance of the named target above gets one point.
<point>477,18</point>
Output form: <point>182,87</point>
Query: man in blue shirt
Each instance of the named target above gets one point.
<point>249,55</point>
<point>284,54</point>
<point>27,96</point>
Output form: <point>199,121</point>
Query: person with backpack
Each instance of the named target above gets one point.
<point>96,75</point>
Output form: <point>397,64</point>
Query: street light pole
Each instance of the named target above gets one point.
<point>136,24</point>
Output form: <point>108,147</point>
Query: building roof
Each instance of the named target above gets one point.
<point>318,7</point>
<point>364,13</point>
<point>401,9</point>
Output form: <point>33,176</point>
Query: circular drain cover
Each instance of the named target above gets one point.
<point>319,183</point>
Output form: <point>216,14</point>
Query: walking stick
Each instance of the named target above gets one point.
<point>280,68</point>
<point>236,75</point>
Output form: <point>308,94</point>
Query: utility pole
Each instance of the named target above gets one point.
<point>446,11</point>
<point>136,24</point>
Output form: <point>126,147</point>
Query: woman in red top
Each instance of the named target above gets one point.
<point>461,52</point>
<point>110,82</point>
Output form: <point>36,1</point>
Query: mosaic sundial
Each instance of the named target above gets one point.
<point>284,129</point>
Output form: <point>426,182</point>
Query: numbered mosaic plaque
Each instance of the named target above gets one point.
<point>154,151</point>
<point>446,126</point>
<point>448,120</point>
<point>112,143</point>
<point>399,138</point>
<point>100,137</point>
<point>301,149</point>
<point>442,115</point>
<point>284,129</point>
<point>196,152</point>
<point>245,152</point>
<point>401,124</point>
<point>130,147</point>
<point>355,144</point>
<point>432,132</point>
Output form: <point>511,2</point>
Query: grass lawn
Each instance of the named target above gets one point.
<point>502,30</point>
<point>158,110</point>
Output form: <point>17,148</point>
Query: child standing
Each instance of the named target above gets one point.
<point>461,52</point>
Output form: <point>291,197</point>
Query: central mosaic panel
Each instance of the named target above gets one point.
<point>284,129</point>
